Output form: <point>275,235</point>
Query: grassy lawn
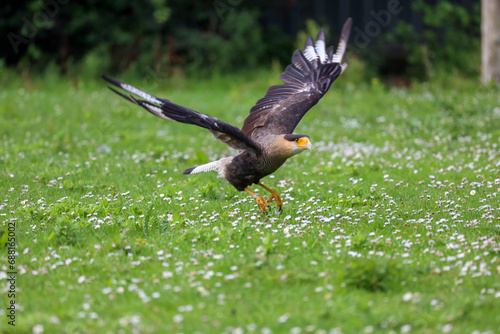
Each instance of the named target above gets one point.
<point>391,224</point>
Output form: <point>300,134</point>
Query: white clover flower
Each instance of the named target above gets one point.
<point>406,328</point>
<point>37,329</point>
<point>407,296</point>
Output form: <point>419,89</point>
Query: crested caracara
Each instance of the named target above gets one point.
<point>265,141</point>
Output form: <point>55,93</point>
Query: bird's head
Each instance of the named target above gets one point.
<point>299,143</point>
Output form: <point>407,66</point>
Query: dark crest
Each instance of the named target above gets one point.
<point>291,137</point>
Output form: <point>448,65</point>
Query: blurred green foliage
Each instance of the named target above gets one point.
<point>193,37</point>
<point>162,38</point>
<point>449,41</point>
<point>239,45</point>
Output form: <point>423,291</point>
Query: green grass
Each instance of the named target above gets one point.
<point>390,224</point>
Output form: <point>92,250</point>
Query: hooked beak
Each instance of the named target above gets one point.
<point>304,143</point>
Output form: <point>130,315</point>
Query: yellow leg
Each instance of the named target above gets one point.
<point>274,196</point>
<point>261,201</point>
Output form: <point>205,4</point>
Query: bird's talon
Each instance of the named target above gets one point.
<point>262,203</point>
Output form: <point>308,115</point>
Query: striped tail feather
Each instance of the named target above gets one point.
<point>211,166</point>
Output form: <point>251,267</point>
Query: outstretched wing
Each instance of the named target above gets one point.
<point>226,133</point>
<point>306,80</point>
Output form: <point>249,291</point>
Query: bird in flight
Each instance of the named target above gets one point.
<point>265,141</point>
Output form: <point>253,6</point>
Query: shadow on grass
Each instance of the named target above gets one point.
<point>374,275</point>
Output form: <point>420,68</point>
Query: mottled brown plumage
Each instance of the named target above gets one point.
<point>265,141</point>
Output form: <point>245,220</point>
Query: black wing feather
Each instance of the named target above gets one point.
<point>330,52</point>
<point>226,133</point>
<point>305,81</point>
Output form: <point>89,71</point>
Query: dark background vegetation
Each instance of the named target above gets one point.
<point>205,37</point>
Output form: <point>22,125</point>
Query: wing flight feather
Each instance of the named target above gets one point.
<point>305,81</point>
<point>165,109</point>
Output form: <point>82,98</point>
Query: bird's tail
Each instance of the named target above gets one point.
<point>211,166</point>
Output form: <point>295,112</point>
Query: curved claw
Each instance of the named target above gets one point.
<point>279,203</point>
<point>262,203</point>
<point>275,196</point>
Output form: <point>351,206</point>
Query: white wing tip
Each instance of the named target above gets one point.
<point>144,95</point>
<point>320,50</point>
<point>310,53</point>
<point>343,67</point>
